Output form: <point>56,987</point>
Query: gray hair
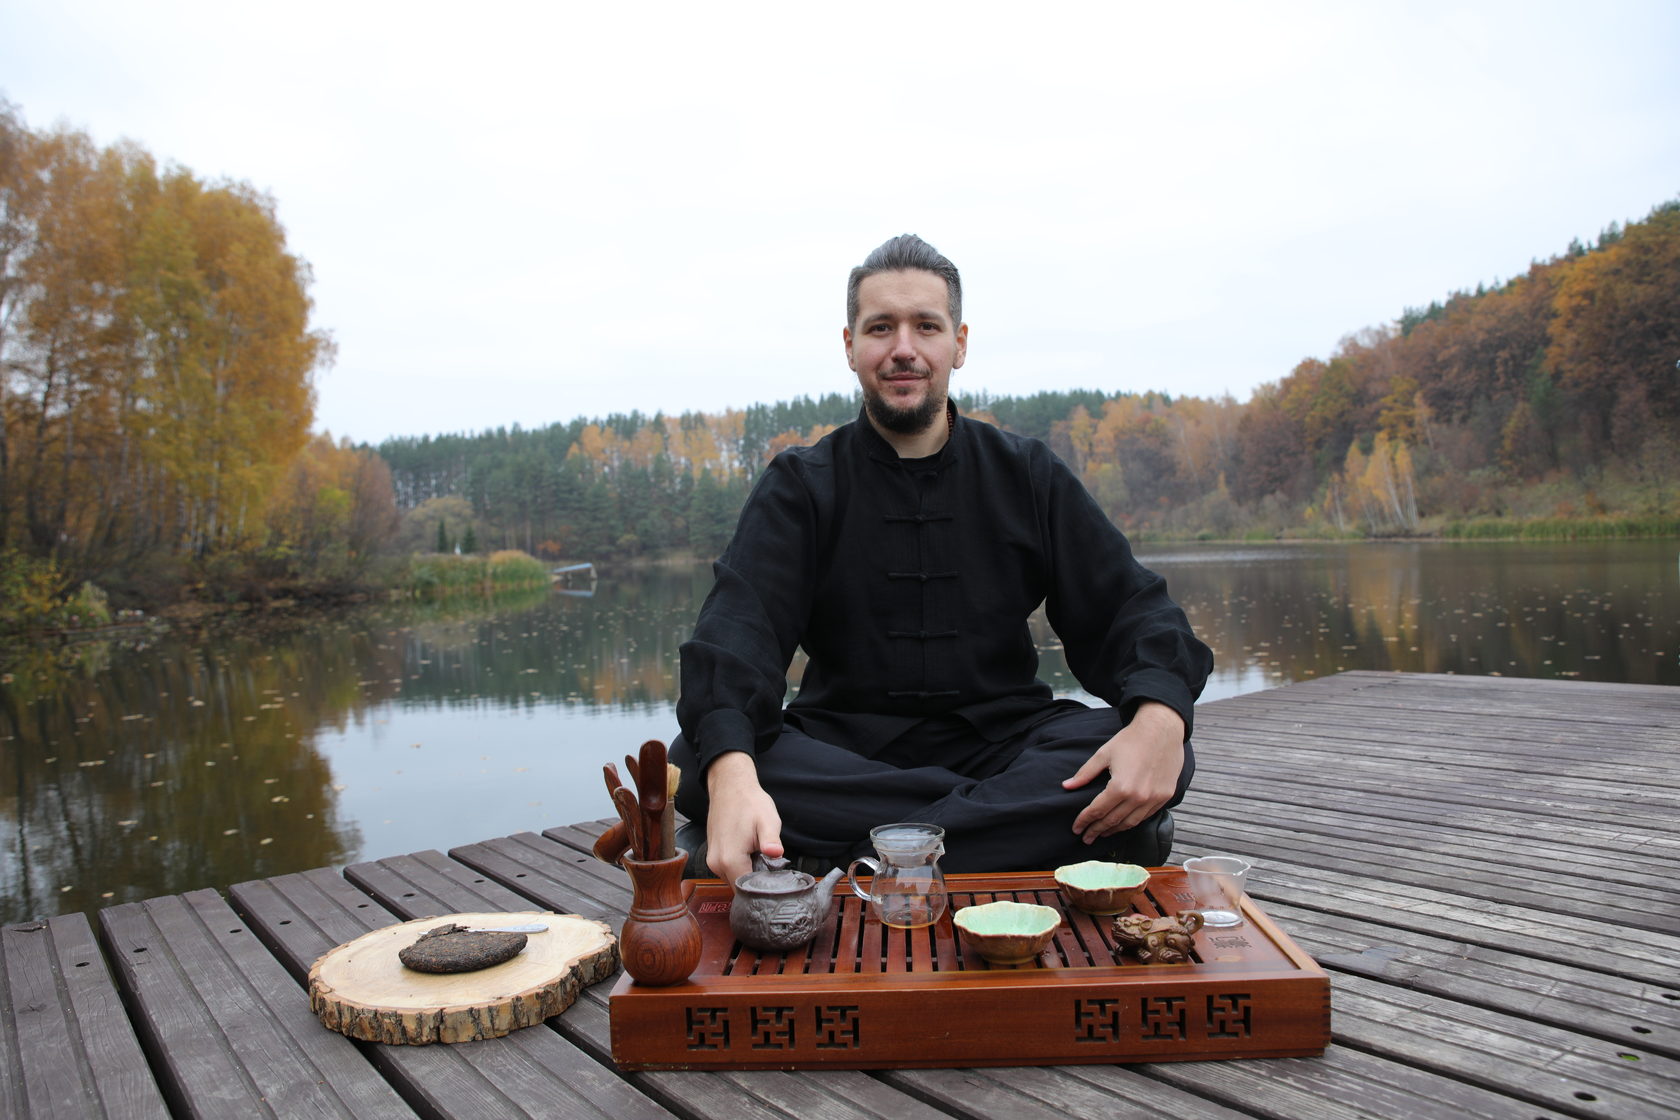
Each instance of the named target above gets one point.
<point>901,254</point>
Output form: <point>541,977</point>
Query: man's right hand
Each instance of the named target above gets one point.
<point>741,820</point>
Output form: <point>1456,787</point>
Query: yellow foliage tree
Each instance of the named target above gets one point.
<point>335,510</point>
<point>155,353</point>
<point>1381,484</point>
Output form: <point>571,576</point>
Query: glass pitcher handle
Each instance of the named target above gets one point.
<point>852,878</point>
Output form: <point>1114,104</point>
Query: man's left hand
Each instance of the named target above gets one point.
<point>1143,761</point>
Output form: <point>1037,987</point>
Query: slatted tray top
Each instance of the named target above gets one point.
<point>864,994</point>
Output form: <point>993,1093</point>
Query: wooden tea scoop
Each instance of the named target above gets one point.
<point>611,845</point>
<point>652,791</point>
<point>631,813</point>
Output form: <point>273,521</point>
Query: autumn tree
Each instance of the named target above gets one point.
<point>1381,485</point>
<point>65,348</point>
<point>1272,455</point>
<point>21,201</point>
<point>332,514</point>
<point>1129,457</point>
<point>1616,333</point>
<point>155,354</point>
<point>221,320</point>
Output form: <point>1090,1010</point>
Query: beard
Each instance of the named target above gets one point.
<point>904,421</point>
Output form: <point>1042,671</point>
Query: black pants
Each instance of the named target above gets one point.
<point>1002,804</point>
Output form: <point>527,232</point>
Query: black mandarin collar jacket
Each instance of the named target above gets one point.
<point>909,582</point>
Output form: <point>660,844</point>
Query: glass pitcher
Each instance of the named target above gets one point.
<point>906,888</point>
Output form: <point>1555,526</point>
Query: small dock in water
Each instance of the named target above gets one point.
<point>1488,867</point>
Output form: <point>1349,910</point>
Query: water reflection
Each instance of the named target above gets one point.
<point>161,762</point>
<point>1594,611</point>
<point>162,766</point>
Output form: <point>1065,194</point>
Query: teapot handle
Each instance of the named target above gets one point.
<point>852,876</point>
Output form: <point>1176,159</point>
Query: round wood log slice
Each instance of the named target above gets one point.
<point>361,989</point>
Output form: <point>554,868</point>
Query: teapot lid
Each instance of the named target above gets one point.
<point>773,875</point>
<point>774,882</point>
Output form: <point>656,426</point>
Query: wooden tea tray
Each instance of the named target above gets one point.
<point>864,995</point>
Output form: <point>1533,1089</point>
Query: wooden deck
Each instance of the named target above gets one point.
<point>1489,868</point>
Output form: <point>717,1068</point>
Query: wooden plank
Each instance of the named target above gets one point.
<point>1367,764</point>
<point>66,1047</point>
<point>1506,733</point>
<point>1276,789</point>
<point>1541,858</point>
<point>1415,828</point>
<point>1565,719</point>
<point>530,1073</point>
<point>1596,764</point>
<point>1366,680</point>
<point>1639,1016</point>
<point>1470,694</point>
<point>1583,943</point>
<point>538,867</point>
<point>1051,1093</point>
<point>1344,1084</point>
<point>228,1030</point>
<point>1567,704</point>
<point>581,835</point>
<point>1505,882</point>
<point>429,882</point>
<point>1287,777</point>
<point>1502,746</point>
<point>1275,801</point>
<point>559,883</point>
<point>1559,1070</point>
<point>1363,680</point>
<point>1593,702</point>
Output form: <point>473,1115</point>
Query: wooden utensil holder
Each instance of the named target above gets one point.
<point>660,942</point>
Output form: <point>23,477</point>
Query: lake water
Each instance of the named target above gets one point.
<point>155,763</point>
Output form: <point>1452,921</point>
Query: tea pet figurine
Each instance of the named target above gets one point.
<point>777,909</point>
<point>1158,940</point>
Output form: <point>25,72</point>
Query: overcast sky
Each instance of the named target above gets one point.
<point>525,213</point>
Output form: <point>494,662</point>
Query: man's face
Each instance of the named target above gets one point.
<point>903,348</point>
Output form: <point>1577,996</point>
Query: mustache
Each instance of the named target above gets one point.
<point>903,366</point>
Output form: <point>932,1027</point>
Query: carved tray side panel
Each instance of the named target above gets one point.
<point>863,995</point>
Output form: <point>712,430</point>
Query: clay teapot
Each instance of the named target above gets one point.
<point>776,908</point>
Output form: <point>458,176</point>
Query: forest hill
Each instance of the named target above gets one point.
<point>156,404</point>
<point>1551,395</point>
